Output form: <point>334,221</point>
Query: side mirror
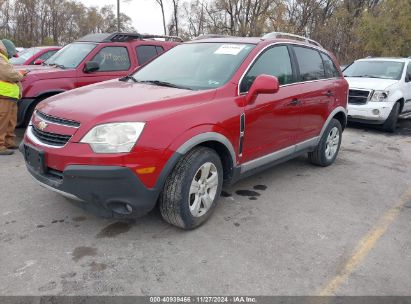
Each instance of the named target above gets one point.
<point>263,84</point>
<point>408,78</point>
<point>91,66</point>
<point>38,62</point>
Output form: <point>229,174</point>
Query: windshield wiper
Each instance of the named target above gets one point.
<point>128,77</point>
<point>57,65</point>
<point>164,84</point>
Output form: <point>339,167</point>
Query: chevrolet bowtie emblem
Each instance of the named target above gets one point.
<point>42,125</point>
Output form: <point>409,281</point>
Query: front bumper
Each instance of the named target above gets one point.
<point>108,191</point>
<point>372,112</point>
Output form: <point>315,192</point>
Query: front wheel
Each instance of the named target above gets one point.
<point>327,149</point>
<point>191,191</point>
<point>391,123</point>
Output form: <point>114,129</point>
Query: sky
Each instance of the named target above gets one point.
<point>145,14</point>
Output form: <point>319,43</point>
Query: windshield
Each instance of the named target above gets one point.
<point>71,55</point>
<point>24,56</point>
<point>375,69</point>
<point>198,66</point>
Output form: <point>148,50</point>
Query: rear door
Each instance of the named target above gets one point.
<point>272,120</point>
<point>114,62</point>
<point>317,91</point>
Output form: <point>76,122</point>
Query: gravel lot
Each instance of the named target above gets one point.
<point>292,230</point>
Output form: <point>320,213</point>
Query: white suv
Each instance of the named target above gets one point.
<point>380,90</point>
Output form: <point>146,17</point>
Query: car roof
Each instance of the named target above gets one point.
<point>123,37</point>
<point>255,41</point>
<point>397,59</point>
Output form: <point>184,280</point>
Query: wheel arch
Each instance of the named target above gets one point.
<point>213,140</point>
<point>402,102</point>
<point>338,113</point>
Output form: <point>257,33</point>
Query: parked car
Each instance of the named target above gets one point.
<point>93,58</point>
<point>34,55</point>
<point>380,90</point>
<point>206,112</point>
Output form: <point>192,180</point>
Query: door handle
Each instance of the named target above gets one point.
<point>329,94</point>
<point>294,102</point>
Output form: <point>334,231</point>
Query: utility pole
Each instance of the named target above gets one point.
<point>118,16</point>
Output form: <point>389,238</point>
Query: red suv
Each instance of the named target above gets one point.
<point>204,114</point>
<point>93,58</point>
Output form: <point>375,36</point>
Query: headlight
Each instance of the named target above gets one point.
<point>114,137</point>
<point>379,95</point>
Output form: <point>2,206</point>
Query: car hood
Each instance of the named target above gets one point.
<point>116,100</point>
<point>45,72</point>
<point>370,83</point>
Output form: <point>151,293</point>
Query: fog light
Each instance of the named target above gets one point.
<point>376,112</point>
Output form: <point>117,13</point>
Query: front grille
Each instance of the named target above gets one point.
<point>61,121</point>
<point>358,97</point>
<point>52,139</point>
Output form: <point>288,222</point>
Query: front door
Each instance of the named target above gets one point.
<point>272,120</point>
<point>114,62</point>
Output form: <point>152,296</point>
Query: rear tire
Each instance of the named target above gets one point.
<point>192,189</point>
<point>327,149</point>
<point>390,125</point>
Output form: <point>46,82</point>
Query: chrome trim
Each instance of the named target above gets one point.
<point>276,35</point>
<point>54,123</point>
<point>266,159</point>
<point>320,49</point>
<point>34,139</point>
<point>65,194</point>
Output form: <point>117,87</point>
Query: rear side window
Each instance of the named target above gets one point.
<point>275,62</point>
<point>147,52</point>
<point>330,69</point>
<point>310,63</point>
<point>113,58</point>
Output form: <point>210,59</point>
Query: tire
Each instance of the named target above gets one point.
<point>187,201</point>
<point>327,149</point>
<point>390,125</point>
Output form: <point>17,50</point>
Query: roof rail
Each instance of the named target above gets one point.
<point>208,36</point>
<point>123,37</point>
<point>298,37</point>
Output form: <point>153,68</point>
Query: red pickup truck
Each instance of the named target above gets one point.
<point>93,58</point>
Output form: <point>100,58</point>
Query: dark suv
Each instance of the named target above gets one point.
<point>205,113</point>
<point>93,58</point>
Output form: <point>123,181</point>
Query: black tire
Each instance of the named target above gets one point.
<point>318,156</point>
<point>175,198</point>
<point>390,125</point>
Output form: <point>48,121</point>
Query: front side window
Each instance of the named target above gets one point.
<point>112,58</point>
<point>275,62</point>
<point>310,64</point>
<point>196,66</point>
<point>375,69</point>
<point>46,55</point>
<point>71,55</point>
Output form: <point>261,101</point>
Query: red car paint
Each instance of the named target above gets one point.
<point>172,117</point>
<point>45,81</point>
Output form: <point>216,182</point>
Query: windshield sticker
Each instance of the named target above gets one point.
<point>230,49</point>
